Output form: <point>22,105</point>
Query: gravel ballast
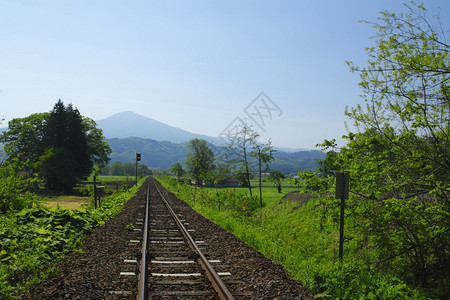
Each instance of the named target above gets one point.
<point>95,273</point>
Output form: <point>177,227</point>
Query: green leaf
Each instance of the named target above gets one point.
<point>42,231</point>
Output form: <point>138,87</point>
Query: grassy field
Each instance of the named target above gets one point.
<point>269,190</point>
<point>78,202</point>
<point>69,202</point>
<point>111,178</point>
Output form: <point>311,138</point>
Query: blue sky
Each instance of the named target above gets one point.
<point>193,64</point>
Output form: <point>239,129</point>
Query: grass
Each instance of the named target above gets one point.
<point>269,190</point>
<point>69,202</point>
<point>112,178</point>
<point>303,237</point>
<point>80,202</point>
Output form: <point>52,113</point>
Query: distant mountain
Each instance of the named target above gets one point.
<point>154,154</point>
<point>162,155</point>
<point>292,162</point>
<point>162,145</point>
<point>130,124</point>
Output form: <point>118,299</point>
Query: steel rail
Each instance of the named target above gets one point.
<point>212,275</point>
<point>143,276</point>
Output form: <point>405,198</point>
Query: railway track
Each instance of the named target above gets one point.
<point>175,263</point>
<point>172,269</point>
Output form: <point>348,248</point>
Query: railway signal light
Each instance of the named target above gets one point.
<point>138,157</point>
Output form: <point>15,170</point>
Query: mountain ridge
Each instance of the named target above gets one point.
<point>162,145</point>
<point>130,124</point>
<point>163,154</point>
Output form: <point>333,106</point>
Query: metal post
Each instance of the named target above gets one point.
<point>341,231</point>
<point>260,187</point>
<point>342,190</point>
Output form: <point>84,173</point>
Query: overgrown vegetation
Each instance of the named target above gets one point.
<point>33,238</point>
<point>12,188</point>
<point>228,199</point>
<point>124,169</point>
<point>301,235</point>
<point>398,161</point>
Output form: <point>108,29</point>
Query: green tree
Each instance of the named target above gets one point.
<point>144,170</point>
<point>276,176</point>
<point>98,149</point>
<point>264,154</point>
<point>126,169</point>
<point>329,166</point>
<point>12,187</point>
<point>24,140</point>
<point>238,152</point>
<point>177,169</point>
<point>322,179</point>
<point>200,160</point>
<point>117,169</point>
<point>66,158</point>
<point>399,161</point>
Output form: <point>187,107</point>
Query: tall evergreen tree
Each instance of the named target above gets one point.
<point>66,159</point>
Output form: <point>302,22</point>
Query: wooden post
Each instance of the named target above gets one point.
<point>95,192</point>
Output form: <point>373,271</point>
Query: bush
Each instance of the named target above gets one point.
<point>33,239</point>
<point>12,186</point>
<point>228,199</point>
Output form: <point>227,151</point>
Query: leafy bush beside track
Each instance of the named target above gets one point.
<point>33,239</point>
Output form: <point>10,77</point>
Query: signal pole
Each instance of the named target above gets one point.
<point>138,158</point>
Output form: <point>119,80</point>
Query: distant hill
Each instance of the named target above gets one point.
<point>129,124</point>
<point>163,154</point>
<point>162,145</point>
<point>154,154</point>
<point>292,162</point>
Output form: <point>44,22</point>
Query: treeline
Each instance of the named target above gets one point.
<point>163,154</point>
<point>126,169</point>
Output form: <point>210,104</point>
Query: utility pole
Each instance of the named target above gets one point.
<point>260,187</point>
